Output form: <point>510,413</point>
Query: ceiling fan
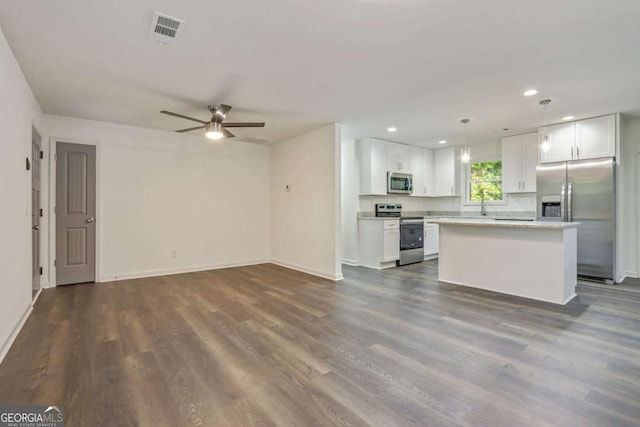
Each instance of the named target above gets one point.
<point>215,128</point>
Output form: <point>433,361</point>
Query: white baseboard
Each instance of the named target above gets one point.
<point>351,262</point>
<point>633,274</point>
<point>6,346</point>
<point>169,271</point>
<point>307,270</point>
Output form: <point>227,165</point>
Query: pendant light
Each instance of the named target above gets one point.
<point>466,151</point>
<point>546,144</point>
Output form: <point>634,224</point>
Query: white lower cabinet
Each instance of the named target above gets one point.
<point>431,240</point>
<point>391,244</point>
<point>379,242</point>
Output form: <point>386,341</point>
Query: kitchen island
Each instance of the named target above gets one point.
<point>529,259</point>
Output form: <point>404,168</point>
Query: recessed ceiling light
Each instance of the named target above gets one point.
<point>565,118</point>
<point>530,92</point>
<point>391,129</point>
<point>442,141</point>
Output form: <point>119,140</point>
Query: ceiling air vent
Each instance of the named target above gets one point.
<point>165,29</point>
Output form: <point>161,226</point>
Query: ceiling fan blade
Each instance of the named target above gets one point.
<point>252,140</point>
<point>223,110</point>
<point>190,129</point>
<point>227,134</point>
<point>243,125</point>
<point>183,117</point>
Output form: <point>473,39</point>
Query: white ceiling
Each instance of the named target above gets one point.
<point>419,65</point>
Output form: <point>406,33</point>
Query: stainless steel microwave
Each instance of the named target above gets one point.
<point>400,183</point>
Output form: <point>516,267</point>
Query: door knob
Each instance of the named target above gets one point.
<point>35,227</point>
<point>90,220</point>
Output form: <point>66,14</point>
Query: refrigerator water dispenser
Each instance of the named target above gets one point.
<point>551,207</point>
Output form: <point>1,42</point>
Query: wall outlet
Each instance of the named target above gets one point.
<point>174,253</point>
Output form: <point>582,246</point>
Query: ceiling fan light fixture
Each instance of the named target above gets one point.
<point>213,130</point>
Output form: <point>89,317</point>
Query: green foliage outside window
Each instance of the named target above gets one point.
<point>486,181</point>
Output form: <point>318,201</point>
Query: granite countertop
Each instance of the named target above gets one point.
<point>490,222</point>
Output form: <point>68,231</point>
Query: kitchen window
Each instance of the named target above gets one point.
<point>485,181</point>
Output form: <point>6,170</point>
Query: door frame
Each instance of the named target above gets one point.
<point>41,220</point>
<point>53,142</point>
<point>44,220</point>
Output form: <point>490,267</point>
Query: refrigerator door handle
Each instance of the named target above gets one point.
<point>562,203</point>
<point>569,214</point>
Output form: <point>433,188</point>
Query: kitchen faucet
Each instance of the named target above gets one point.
<point>483,206</point>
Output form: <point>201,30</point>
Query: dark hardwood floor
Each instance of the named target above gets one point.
<point>264,345</point>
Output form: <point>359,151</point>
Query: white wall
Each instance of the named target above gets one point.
<point>305,221</point>
<point>349,196</point>
<point>18,112</point>
<point>161,191</point>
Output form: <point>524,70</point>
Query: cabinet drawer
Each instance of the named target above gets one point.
<point>391,224</point>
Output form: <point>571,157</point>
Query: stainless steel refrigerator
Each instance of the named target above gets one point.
<point>583,191</point>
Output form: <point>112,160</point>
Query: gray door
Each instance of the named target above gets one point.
<point>591,202</point>
<point>75,213</point>
<point>35,209</point>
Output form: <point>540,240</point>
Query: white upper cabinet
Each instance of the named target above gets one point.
<point>447,172</point>
<point>596,137</point>
<point>519,158</point>
<point>562,140</point>
<point>422,171</point>
<point>372,156</point>
<point>529,161</point>
<point>512,164</point>
<point>398,158</point>
<point>584,139</point>
<point>418,172</point>
<point>429,173</point>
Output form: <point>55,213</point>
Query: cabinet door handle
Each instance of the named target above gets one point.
<point>572,152</point>
<point>451,190</point>
<point>578,152</point>
<point>519,185</point>
<point>523,185</point>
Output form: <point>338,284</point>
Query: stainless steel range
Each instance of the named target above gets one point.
<point>411,240</point>
<point>411,233</point>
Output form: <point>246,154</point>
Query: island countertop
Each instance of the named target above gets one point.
<point>490,222</point>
